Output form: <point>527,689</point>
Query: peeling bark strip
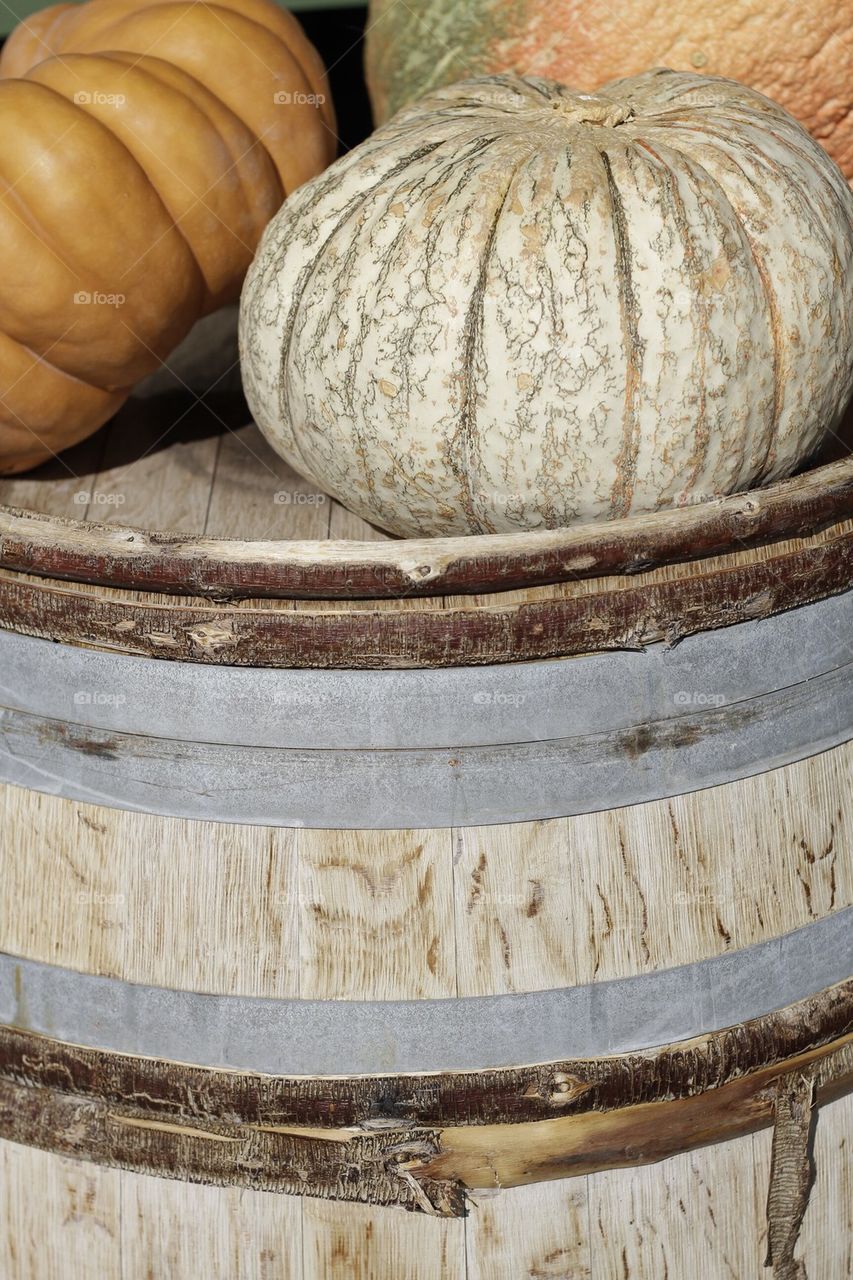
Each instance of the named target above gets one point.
<point>429,1170</point>
<point>369,1167</point>
<point>380,1161</point>
<point>173,563</point>
<point>631,613</point>
<point>640,1134</point>
<point>420,1141</point>
<point>791,1172</point>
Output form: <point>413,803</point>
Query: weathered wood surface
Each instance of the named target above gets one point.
<point>357,1242</point>
<point>696,875</point>
<point>128,555</point>
<point>826,1235</point>
<point>377,915</point>
<point>170,1229</point>
<point>594,616</point>
<point>85,1221</point>
<point>407,914</point>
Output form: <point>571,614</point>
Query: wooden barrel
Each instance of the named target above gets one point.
<point>474,877</point>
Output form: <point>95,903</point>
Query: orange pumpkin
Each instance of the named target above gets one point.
<point>143,149</point>
<point>800,55</point>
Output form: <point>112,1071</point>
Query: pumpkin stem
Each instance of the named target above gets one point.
<point>592,108</point>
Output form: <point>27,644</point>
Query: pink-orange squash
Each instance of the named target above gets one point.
<point>800,55</point>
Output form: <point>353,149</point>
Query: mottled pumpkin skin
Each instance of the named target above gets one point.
<point>800,55</point>
<point>142,152</point>
<point>517,307</point>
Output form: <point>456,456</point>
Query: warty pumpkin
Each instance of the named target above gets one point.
<point>800,55</point>
<point>516,306</point>
<point>143,148</point>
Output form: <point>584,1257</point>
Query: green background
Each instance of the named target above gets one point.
<point>12,11</point>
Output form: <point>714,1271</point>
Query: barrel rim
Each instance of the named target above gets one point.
<point>126,557</point>
<point>564,620</point>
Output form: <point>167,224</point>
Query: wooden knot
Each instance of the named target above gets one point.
<point>565,1088</point>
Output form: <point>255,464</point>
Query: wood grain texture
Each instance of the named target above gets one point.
<point>256,491</point>
<point>701,1214</point>
<point>358,1242</point>
<point>826,1236</point>
<point>152,485</point>
<point>244,910</point>
<point>378,915</point>
<point>176,904</point>
<point>599,895</point>
<point>174,1230</point>
<point>58,1218</point>
<point>502,1242</point>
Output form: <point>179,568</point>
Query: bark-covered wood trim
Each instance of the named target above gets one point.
<point>660,606</point>
<point>118,556</point>
<point>496,1096</point>
<point>509,1156</point>
<point>401,1140</point>
<point>181,1121</point>
<point>424,1168</point>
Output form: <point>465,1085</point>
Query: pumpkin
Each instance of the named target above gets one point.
<point>799,55</point>
<point>143,148</point>
<point>516,306</point>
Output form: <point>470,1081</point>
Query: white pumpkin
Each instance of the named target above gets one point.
<point>516,306</point>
